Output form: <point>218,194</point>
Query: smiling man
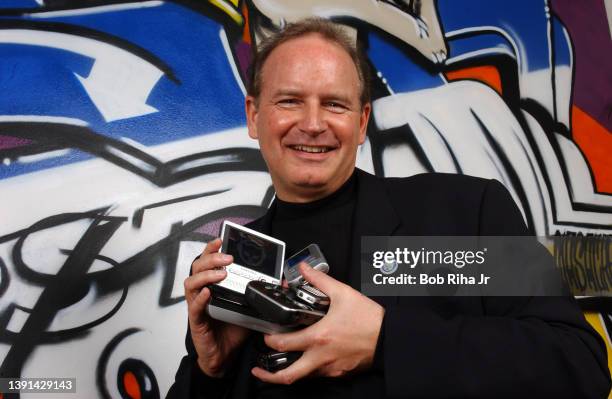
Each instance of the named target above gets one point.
<point>308,106</point>
<point>307,111</point>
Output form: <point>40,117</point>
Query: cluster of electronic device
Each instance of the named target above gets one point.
<point>252,296</point>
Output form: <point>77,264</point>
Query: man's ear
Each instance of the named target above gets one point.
<point>250,106</point>
<point>363,121</point>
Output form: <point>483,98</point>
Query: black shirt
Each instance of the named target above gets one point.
<point>328,223</point>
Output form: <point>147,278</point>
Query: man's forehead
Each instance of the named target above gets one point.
<point>290,61</point>
<point>303,47</point>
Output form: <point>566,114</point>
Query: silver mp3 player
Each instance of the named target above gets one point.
<point>311,255</point>
<point>256,257</point>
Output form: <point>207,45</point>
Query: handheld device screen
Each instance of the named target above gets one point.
<point>297,258</point>
<point>252,251</point>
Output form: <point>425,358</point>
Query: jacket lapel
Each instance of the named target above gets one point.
<point>374,216</point>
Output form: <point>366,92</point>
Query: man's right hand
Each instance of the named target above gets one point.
<point>214,341</point>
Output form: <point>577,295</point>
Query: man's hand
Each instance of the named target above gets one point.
<point>214,341</point>
<point>340,343</point>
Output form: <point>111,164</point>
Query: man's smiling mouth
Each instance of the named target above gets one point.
<point>311,149</point>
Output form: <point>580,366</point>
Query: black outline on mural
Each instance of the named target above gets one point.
<point>512,175</point>
<point>5,278</point>
<point>448,148</point>
<point>108,281</point>
<point>140,370</point>
<point>163,174</point>
<point>138,215</point>
<point>55,296</point>
<point>104,358</point>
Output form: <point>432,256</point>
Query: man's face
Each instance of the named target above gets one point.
<point>308,118</point>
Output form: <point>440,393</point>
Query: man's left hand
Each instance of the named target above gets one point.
<point>342,342</point>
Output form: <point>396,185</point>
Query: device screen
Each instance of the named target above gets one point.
<point>252,251</point>
<point>297,258</point>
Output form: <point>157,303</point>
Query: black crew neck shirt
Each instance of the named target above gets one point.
<point>327,222</point>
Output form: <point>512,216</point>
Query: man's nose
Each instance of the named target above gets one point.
<point>313,120</point>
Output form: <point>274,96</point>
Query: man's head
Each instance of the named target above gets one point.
<point>330,31</point>
<point>308,106</point>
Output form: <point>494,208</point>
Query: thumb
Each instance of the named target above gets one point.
<point>320,280</point>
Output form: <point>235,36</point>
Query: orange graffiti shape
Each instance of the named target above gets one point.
<point>595,141</point>
<point>246,32</point>
<point>486,74</point>
<point>131,385</point>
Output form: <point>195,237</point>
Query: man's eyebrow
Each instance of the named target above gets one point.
<point>326,97</point>
<point>343,98</point>
<point>286,92</point>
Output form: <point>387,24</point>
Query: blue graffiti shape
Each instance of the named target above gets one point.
<point>149,72</point>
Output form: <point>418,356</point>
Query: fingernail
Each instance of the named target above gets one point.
<point>227,258</point>
<point>220,271</point>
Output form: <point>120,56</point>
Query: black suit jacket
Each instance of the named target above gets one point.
<point>443,347</point>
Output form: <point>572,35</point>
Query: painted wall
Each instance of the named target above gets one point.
<point>123,145</point>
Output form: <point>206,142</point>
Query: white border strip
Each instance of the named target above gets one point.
<point>230,60</point>
<point>96,10</point>
<point>43,118</point>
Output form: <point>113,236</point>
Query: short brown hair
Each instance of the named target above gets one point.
<point>325,28</point>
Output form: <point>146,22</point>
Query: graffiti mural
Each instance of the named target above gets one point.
<point>123,146</point>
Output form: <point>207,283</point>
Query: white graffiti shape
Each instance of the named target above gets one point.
<point>392,16</point>
<point>119,82</point>
<point>465,127</point>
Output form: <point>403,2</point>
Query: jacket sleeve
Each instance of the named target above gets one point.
<point>190,382</point>
<point>512,347</point>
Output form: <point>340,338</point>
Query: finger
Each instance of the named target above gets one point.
<point>212,246</point>
<point>194,284</point>
<point>301,368</point>
<point>211,261</point>
<point>297,341</point>
<point>196,309</point>
<point>320,280</point>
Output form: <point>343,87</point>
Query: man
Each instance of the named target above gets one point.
<point>308,106</point>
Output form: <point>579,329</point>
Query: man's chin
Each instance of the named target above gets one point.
<point>307,182</point>
<point>311,183</point>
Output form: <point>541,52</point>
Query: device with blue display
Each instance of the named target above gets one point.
<point>311,255</point>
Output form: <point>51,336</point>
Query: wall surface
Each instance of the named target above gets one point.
<point>123,145</point>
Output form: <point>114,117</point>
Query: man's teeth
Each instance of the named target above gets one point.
<point>306,148</point>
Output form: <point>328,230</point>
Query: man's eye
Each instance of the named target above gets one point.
<point>288,101</point>
<point>334,106</point>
